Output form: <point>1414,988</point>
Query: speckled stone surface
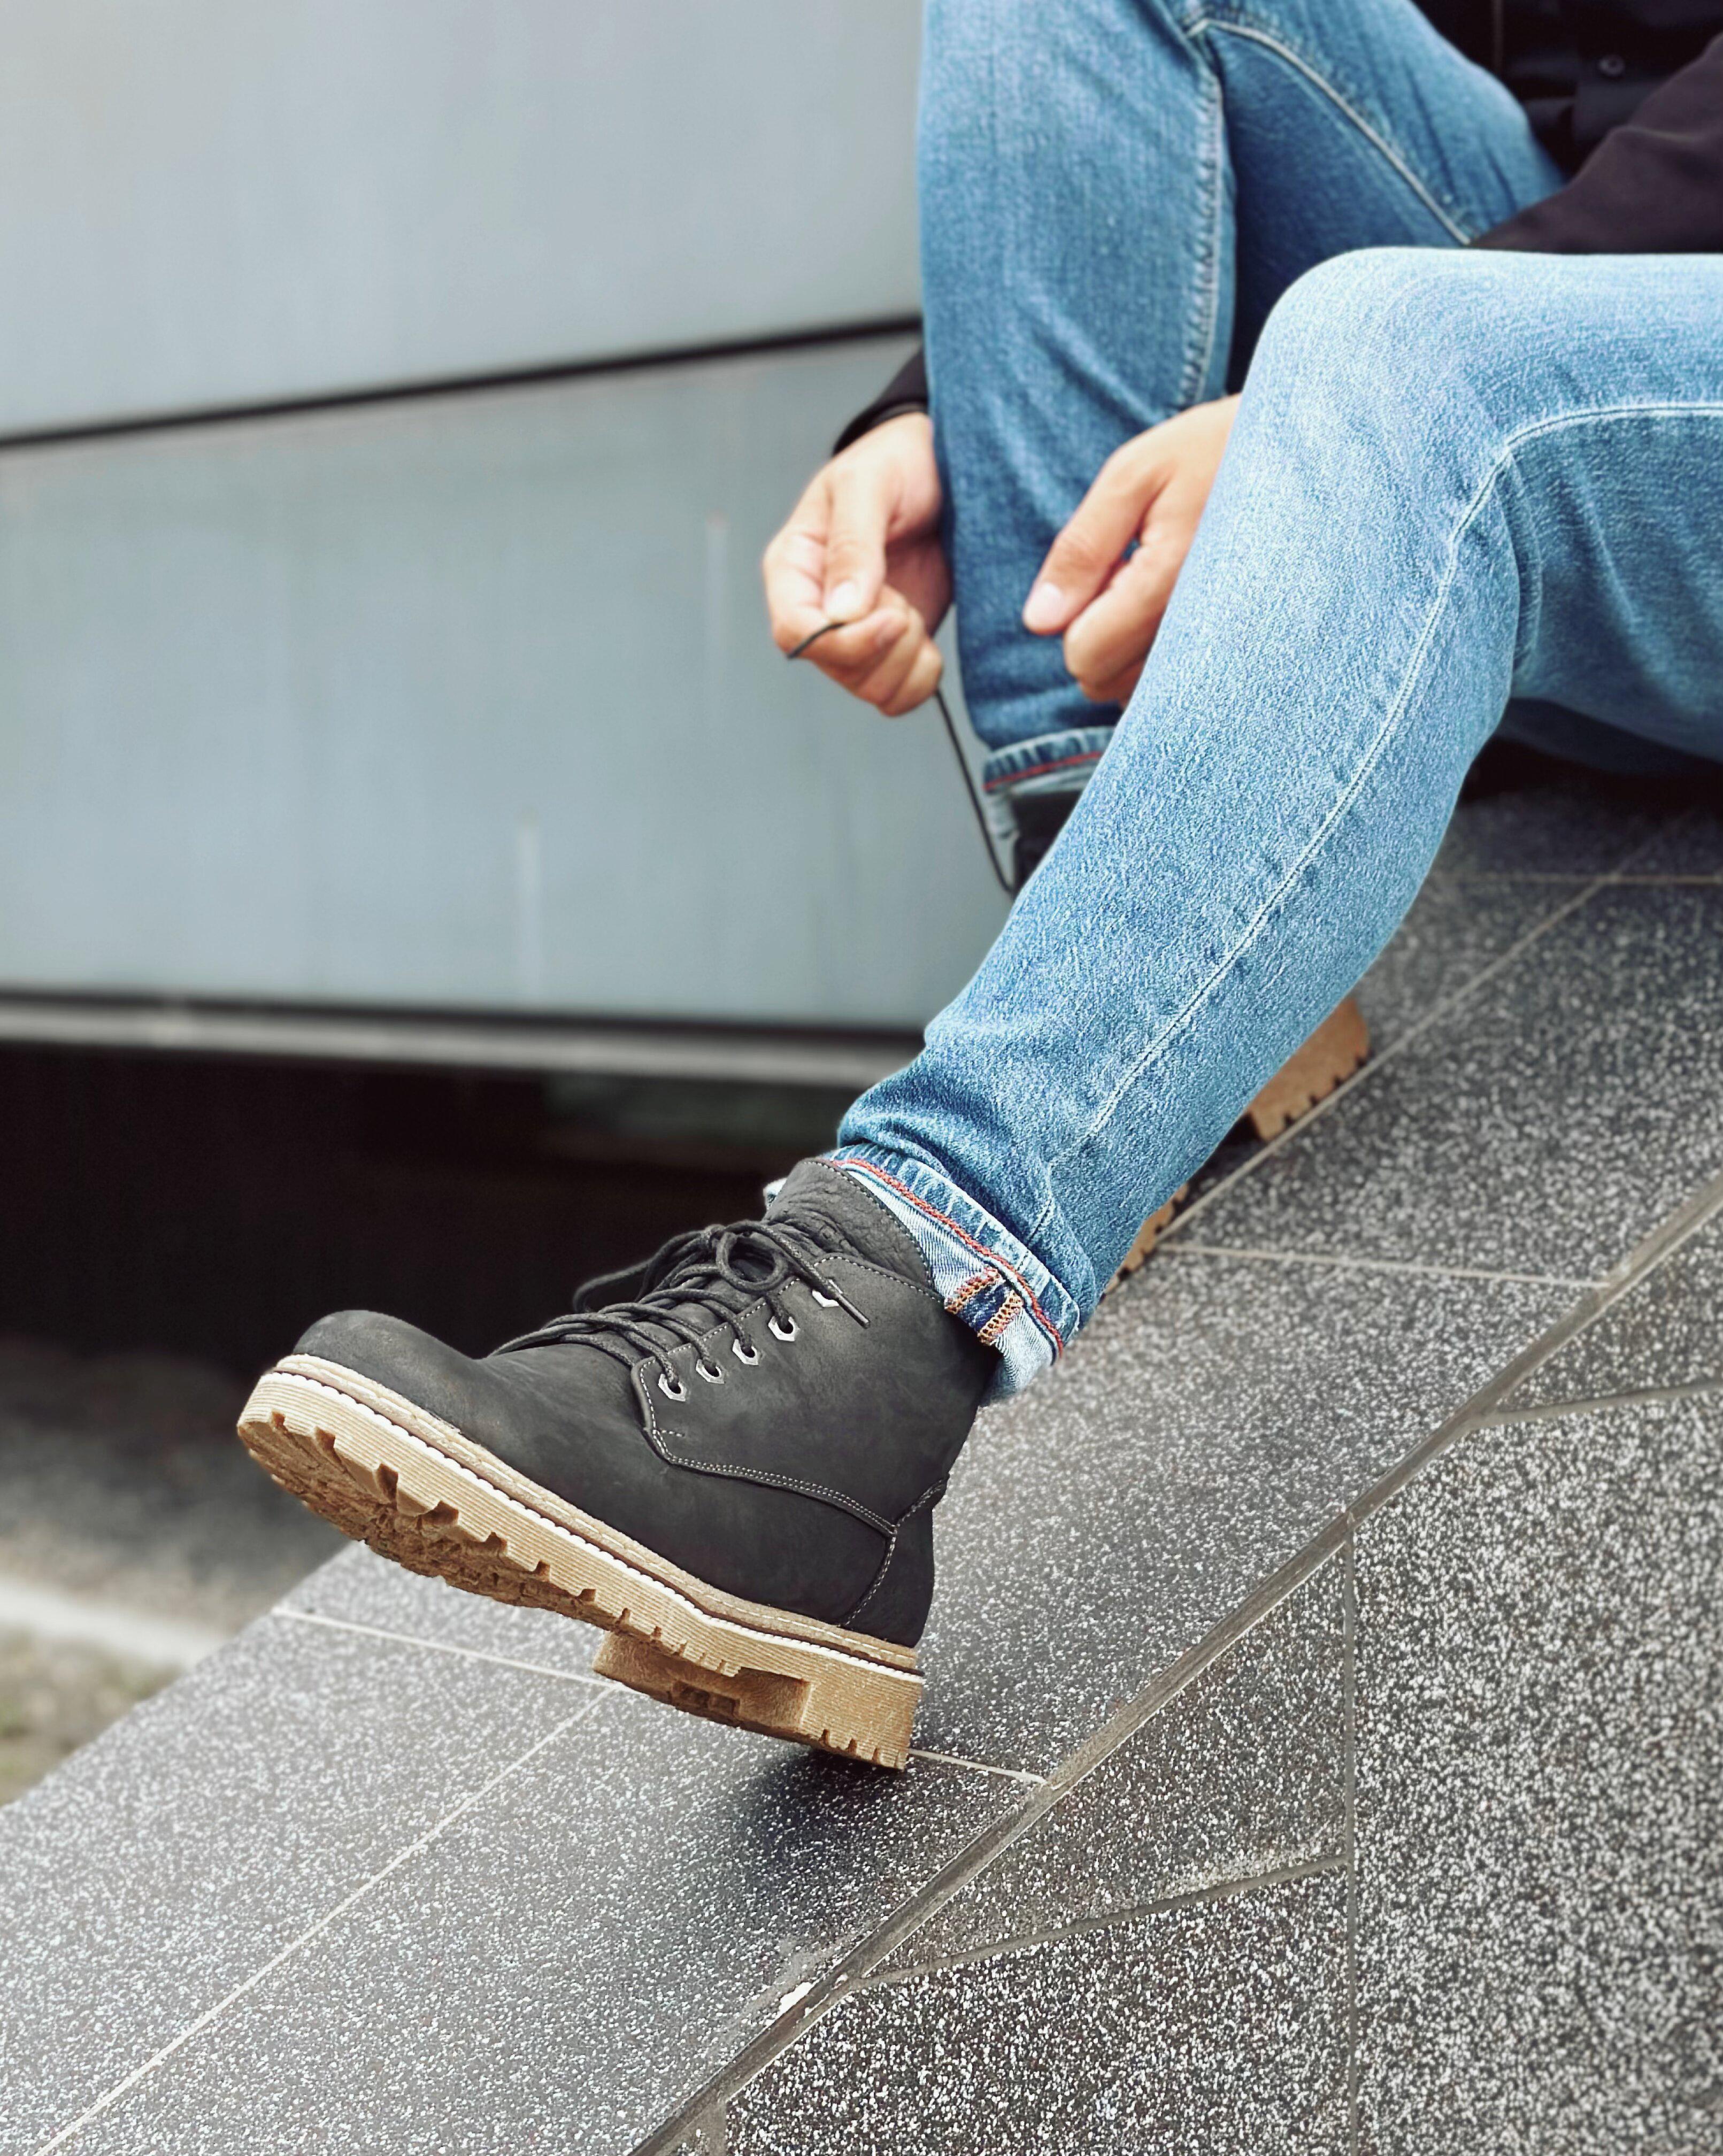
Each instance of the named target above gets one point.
<point>1562,826</point>
<point>571,1957</point>
<point>1454,929</point>
<point>361,1589</point>
<point>1240,1775</point>
<point>1667,1331</point>
<point>1214,1418</point>
<point>631,1896</point>
<point>200,1836</point>
<point>1540,1793</point>
<point>1218,2029</point>
<point>1564,1110</point>
<point>1688,846</point>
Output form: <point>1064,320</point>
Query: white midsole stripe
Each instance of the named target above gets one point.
<point>592,1549</point>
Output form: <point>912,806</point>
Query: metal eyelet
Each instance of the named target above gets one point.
<point>743,1353</point>
<point>782,1331</point>
<point>714,1375</point>
<point>678,1391</point>
<point>825,1301</point>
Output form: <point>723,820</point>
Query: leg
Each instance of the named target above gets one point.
<point>1454,477</point>
<point>1114,193</point>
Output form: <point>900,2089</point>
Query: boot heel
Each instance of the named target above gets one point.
<point>1337,1048</point>
<point>1148,1235</point>
<point>867,1713</point>
<point>1338,1045</point>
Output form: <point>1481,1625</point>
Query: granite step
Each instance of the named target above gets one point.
<point>1322,1740</point>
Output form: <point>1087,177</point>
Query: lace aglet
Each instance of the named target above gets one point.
<point>844,1303</point>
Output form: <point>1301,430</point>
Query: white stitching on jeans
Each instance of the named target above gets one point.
<point>1200,358</point>
<point>1377,140</point>
<point>1533,430</point>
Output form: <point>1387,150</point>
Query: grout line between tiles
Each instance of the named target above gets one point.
<point>603,1685</point>
<point>835,1986</point>
<point>1438,1012</point>
<point>1348,1686</point>
<point>1478,1412</point>
<point>444,1647</point>
<point>1137,1912</point>
<point>1398,1265</point>
<point>978,1767</point>
<point>1707,878</point>
<point>1481,1411</point>
<point>1596,1403</point>
<point>214,2014</point>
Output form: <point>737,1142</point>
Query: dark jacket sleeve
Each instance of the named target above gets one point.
<point>1652,186</point>
<point>906,391</point>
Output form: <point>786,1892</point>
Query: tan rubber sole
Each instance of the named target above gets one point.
<point>420,1492</point>
<point>1339,1046</point>
<point>1148,1235</point>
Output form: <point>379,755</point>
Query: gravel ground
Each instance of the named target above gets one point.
<point>126,1487</point>
<point>125,1484</point>
<point>55,1696</point>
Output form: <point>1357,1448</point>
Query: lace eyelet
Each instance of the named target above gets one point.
<point>744,1352</point>
<point>782,1331</point>
<point>825,1301</point>
<point>712,1375</point>
<point>678,1391</point>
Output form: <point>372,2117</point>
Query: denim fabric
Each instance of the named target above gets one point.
<point>1455,478</point>
<point>1114,193</point>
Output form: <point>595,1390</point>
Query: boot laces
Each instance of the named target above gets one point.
<point>716,1272</point>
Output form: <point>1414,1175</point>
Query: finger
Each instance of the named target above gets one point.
<point>884,680</point>
<point>855,567</point>
<point>1085,553</point>
<point>793,568</point>
<point>849,653</point>
<point>1117,690</point>
<point>1118,629</point>
<point>922,679</point>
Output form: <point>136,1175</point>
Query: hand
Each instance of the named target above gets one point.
<point>1152,490</point>
<point>862,547</point>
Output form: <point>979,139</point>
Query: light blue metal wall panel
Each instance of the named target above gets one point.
<point>204,204</point>
<point>463,700</point>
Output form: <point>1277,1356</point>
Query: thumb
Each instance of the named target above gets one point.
<point>855,541</point>
<point>1087,552</point>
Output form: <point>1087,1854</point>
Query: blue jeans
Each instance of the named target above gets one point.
<point>1456,478</point>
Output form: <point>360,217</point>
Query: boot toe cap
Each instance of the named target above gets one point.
<point>392,1352</point>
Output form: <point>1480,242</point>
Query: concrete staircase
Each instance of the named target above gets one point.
<point>1324,1735</point>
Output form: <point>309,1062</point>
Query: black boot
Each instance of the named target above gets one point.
<point>734,1472</point>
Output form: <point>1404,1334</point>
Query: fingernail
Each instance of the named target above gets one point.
<point>1046,608</point>
<point>842,603</point>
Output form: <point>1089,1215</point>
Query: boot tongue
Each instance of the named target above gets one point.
<point>825,1202</point>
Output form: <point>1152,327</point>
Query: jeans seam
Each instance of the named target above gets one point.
<point>1032,1307</point>
<point>1371,133</point>
<point>1533,430</point>
<point>1200,359</point>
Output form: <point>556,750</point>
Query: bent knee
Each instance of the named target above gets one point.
<point>1411,331</point>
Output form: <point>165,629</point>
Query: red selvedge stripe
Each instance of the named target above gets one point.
<point>1035,770</point>
<point>980,1250</point>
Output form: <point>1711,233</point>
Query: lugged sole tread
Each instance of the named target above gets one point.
<point>390,1486</point>
<point>1340,1045</point>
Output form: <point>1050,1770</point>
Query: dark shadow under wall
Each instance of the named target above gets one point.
<point>215,1206</point>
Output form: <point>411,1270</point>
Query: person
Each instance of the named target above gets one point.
<point>1300,395</point>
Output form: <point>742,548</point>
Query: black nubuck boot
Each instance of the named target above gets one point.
<point>734,1472</point>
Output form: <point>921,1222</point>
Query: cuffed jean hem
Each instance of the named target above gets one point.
<point>1062,763</point>
<point>983,1274</point>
